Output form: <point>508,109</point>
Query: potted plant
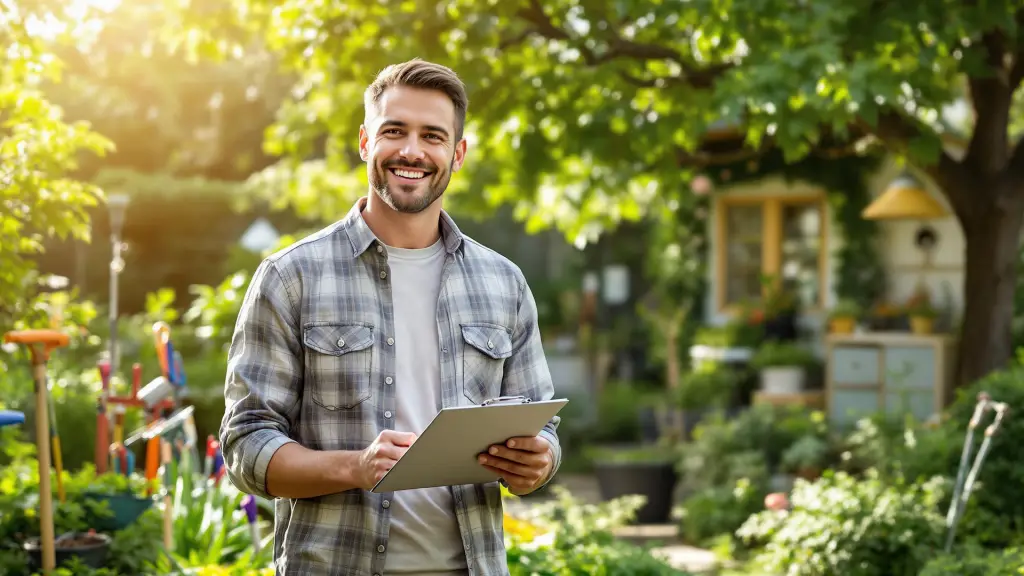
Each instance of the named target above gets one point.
<point>842,319</point>
<point>922,317</point>
<point>91,549</point>
<point>124,496</point>
<point>699,393</point>
<point>805,458</point>
<point>782,366</point>
<point>781,309</point>
<point>649,471</point>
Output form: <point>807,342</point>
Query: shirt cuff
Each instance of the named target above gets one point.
<point>556,453</point>
<point>259,468</point>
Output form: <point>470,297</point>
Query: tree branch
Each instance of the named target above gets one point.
<point>621,48</point>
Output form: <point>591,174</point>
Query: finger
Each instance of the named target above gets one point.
<point>508,466</point>
<point>520,456</point>
<point>512,479</point>
<point>390,452</point>
<point>529,444</point>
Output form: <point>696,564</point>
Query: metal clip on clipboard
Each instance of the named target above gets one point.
<point>506,400</point>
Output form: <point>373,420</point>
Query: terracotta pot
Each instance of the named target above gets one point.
<point>842,325</point>
<point>922,324</point>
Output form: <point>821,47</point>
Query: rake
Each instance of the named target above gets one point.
<point>964,479</point>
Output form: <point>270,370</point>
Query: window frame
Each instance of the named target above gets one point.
<point>771,239</point>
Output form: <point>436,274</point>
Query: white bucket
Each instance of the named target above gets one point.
<point>782,380</point>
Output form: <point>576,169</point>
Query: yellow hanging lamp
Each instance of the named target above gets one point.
<point>905,199</point>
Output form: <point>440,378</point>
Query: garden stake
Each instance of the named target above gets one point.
<point>58,461</point>
<point>40,344</point>
<point>962,493</point>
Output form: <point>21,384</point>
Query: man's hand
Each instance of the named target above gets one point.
<point>380,456</point>
<point>524,463</point>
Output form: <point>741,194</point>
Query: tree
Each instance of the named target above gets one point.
<point>582,110</point>
<point>39,151</point>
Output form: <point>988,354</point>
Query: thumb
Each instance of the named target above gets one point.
<point>398,438</point>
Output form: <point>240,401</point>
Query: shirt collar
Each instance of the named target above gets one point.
<point>362,238</point>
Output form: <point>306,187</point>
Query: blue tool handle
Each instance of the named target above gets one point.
<point>130,462</point>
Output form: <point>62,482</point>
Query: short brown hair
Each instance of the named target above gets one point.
<point>418,73</point>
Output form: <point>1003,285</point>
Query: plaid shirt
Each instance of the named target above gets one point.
<point>311,361</point>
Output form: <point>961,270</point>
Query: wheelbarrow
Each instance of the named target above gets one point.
<point>40,344</point>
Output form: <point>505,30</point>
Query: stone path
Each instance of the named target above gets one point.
<point>664,536</point>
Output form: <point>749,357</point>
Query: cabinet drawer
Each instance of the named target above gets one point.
<point>910,367</point>
<point>846,406</point>
<point>854,365</point>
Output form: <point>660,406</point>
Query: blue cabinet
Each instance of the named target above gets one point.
<point>896,373</point>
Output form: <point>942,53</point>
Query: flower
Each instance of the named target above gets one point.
<point>776,501</point>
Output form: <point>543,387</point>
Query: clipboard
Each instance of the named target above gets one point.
<point>446,453</point>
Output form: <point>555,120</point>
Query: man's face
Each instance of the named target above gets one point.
<point>409,147</point>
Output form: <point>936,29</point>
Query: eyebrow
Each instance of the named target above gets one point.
<point>400,124</point>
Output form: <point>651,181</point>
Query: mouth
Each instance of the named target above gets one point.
<point>409,174</point>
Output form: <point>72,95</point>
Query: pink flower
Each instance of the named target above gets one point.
<point>701,185</point>
<point>776,501</point>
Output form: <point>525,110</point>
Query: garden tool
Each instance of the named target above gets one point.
<point>40,344</point>
<point>965,485</point>
<point>58,460</point>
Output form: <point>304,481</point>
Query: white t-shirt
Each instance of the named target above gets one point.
<point>424,535</point>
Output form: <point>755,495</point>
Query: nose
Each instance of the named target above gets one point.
<point>411,149</point>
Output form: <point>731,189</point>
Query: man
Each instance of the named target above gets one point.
<point>350,341</point>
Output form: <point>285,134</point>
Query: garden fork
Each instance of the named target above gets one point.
<point>964,480</point>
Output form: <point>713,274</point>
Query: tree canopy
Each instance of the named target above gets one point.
<point>39,151</point>
<point>581,110</point>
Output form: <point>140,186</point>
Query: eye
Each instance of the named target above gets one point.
<point>434,136</point>
<point>392,131</point>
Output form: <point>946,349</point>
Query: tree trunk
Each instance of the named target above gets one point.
<point>992,234</point>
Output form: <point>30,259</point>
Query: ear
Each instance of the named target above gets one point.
<point>460,155</point>
<point>364,143</point>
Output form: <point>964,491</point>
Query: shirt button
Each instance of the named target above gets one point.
<point>341,342</point>
<point>380,249</point>
<point>380,548</point>
<point>383,274</point>
<point>490,344</point>
<point>386,504</point>
<point>391,341</point>
<point>387,413</point>
<point>388,380</point>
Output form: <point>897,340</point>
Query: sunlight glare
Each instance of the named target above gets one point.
<point>78,14</point>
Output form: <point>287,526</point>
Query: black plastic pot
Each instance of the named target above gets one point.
<point>94,554</point>
<point>655,480</point>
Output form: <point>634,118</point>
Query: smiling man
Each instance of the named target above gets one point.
<point>351,340</point>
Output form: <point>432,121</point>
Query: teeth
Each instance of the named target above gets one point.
<point>408,174</point>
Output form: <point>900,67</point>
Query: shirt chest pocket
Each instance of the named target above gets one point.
<point>487,346</point>
<point>338,363</point>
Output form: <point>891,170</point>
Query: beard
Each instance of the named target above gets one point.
<point>410,198</point>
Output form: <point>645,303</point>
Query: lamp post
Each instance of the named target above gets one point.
<point>117,204</point>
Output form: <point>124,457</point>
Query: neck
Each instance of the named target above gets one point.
<point>401,230</point>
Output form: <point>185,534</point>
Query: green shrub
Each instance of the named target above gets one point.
<point>582,541</point>
<point>975,561</point>
<point>710,513</point>
<point>840,525</point>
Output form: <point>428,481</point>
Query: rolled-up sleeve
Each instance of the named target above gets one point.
<point>262,389</point>
<point>526,370</point>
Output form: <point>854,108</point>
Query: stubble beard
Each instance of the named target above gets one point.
<point>405,200</point>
